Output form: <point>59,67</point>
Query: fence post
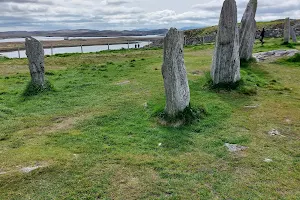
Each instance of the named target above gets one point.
<point>51,50</point>
<point>107,46</point>
<point>128,44</point>
<point>81,48</point>
<point>19,52</point>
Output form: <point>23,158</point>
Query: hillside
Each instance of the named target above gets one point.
<point>276,24</point>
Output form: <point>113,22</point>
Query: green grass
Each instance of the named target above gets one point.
<point>98,137</point>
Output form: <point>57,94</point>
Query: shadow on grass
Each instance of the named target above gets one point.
<point>33,89</point>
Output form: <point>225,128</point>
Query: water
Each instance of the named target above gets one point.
<point>42,38</point>
<point>77,49</point>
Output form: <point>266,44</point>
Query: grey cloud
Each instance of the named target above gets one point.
<point>117,2</point>
<point>46,2</point>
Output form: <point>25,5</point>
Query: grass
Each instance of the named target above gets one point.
<point>96,136</point>
<point>33,89</point>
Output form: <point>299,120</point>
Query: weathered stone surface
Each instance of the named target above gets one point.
<point>35,55</point>
<point>287,30</point>
<point>226,59</point>
<point>275,54</point>
<point>293,35</point>
<point>174,73</point>
<point>248,30</point>
<point>235,147</point>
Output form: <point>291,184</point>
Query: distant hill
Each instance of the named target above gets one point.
<point>82,33</point>
<point>276,24</point>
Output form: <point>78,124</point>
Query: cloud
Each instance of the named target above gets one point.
<point>117,2</point>
<point>128,14</point>
<point>46,2</point>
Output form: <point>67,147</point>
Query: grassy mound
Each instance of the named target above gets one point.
<point>248,84</point>
<point>186,117</point>
<point>295,58</point>
<point>33,89</point>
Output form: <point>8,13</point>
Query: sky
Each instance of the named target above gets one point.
<point>31,15</point>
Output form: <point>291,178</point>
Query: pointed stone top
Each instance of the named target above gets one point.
<point>228,20</point>
<point>173,31</point>
<point>31,39</point>
<point>253,4</point>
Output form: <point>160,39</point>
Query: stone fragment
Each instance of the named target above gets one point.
<point>35,55</point>
<point>274,132</point>
<point>252,107</point>
<point>174,73</point>
<point>226,59</point>
<point>28,169</point>
<point>123,83</point>
<point>275,54</point>
<point>287,30</point>
<point>268,160</point>
<point>248,31</point>
<point>293,35</point>
<point>235,147</point>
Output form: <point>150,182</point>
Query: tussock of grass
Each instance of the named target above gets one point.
<point>295,58</point>
<point>247,63</point>
<point>186,117</point>
<point>34,89</point>
<point>291,61</point>
<point>248,84</point>
<point>3,58</point>
<point>49,73</point>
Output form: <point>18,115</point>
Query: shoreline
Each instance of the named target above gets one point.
<point>15,46</point>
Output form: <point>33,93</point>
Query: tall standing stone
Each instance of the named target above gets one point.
<point>293,35</point>
<point>174,73</point>
<point>287,30</point>
<point>226,59</point>
<point>35,55</point>
<point>248,31</point>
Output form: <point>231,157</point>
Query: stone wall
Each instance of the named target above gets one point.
<point>275,33</point>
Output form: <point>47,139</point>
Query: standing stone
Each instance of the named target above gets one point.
<point>287,30</point>
<point>248,31</point>
<point>293,35</point>
<point>35,55</point>
<point>174,73</point>
<point>226,59</point>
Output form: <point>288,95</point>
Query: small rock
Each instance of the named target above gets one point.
<point>32,168</point>
<point>75,156</point>
<point>268,160</point>
<point>29,169</point>
<point>145,105</point>
<point>197,73</point>
<point>288,121</point>
<point>2,172</point>
<point>123,83</point>
<point>254,106</point>
<point>235,147</point>
<point>274,132</point>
